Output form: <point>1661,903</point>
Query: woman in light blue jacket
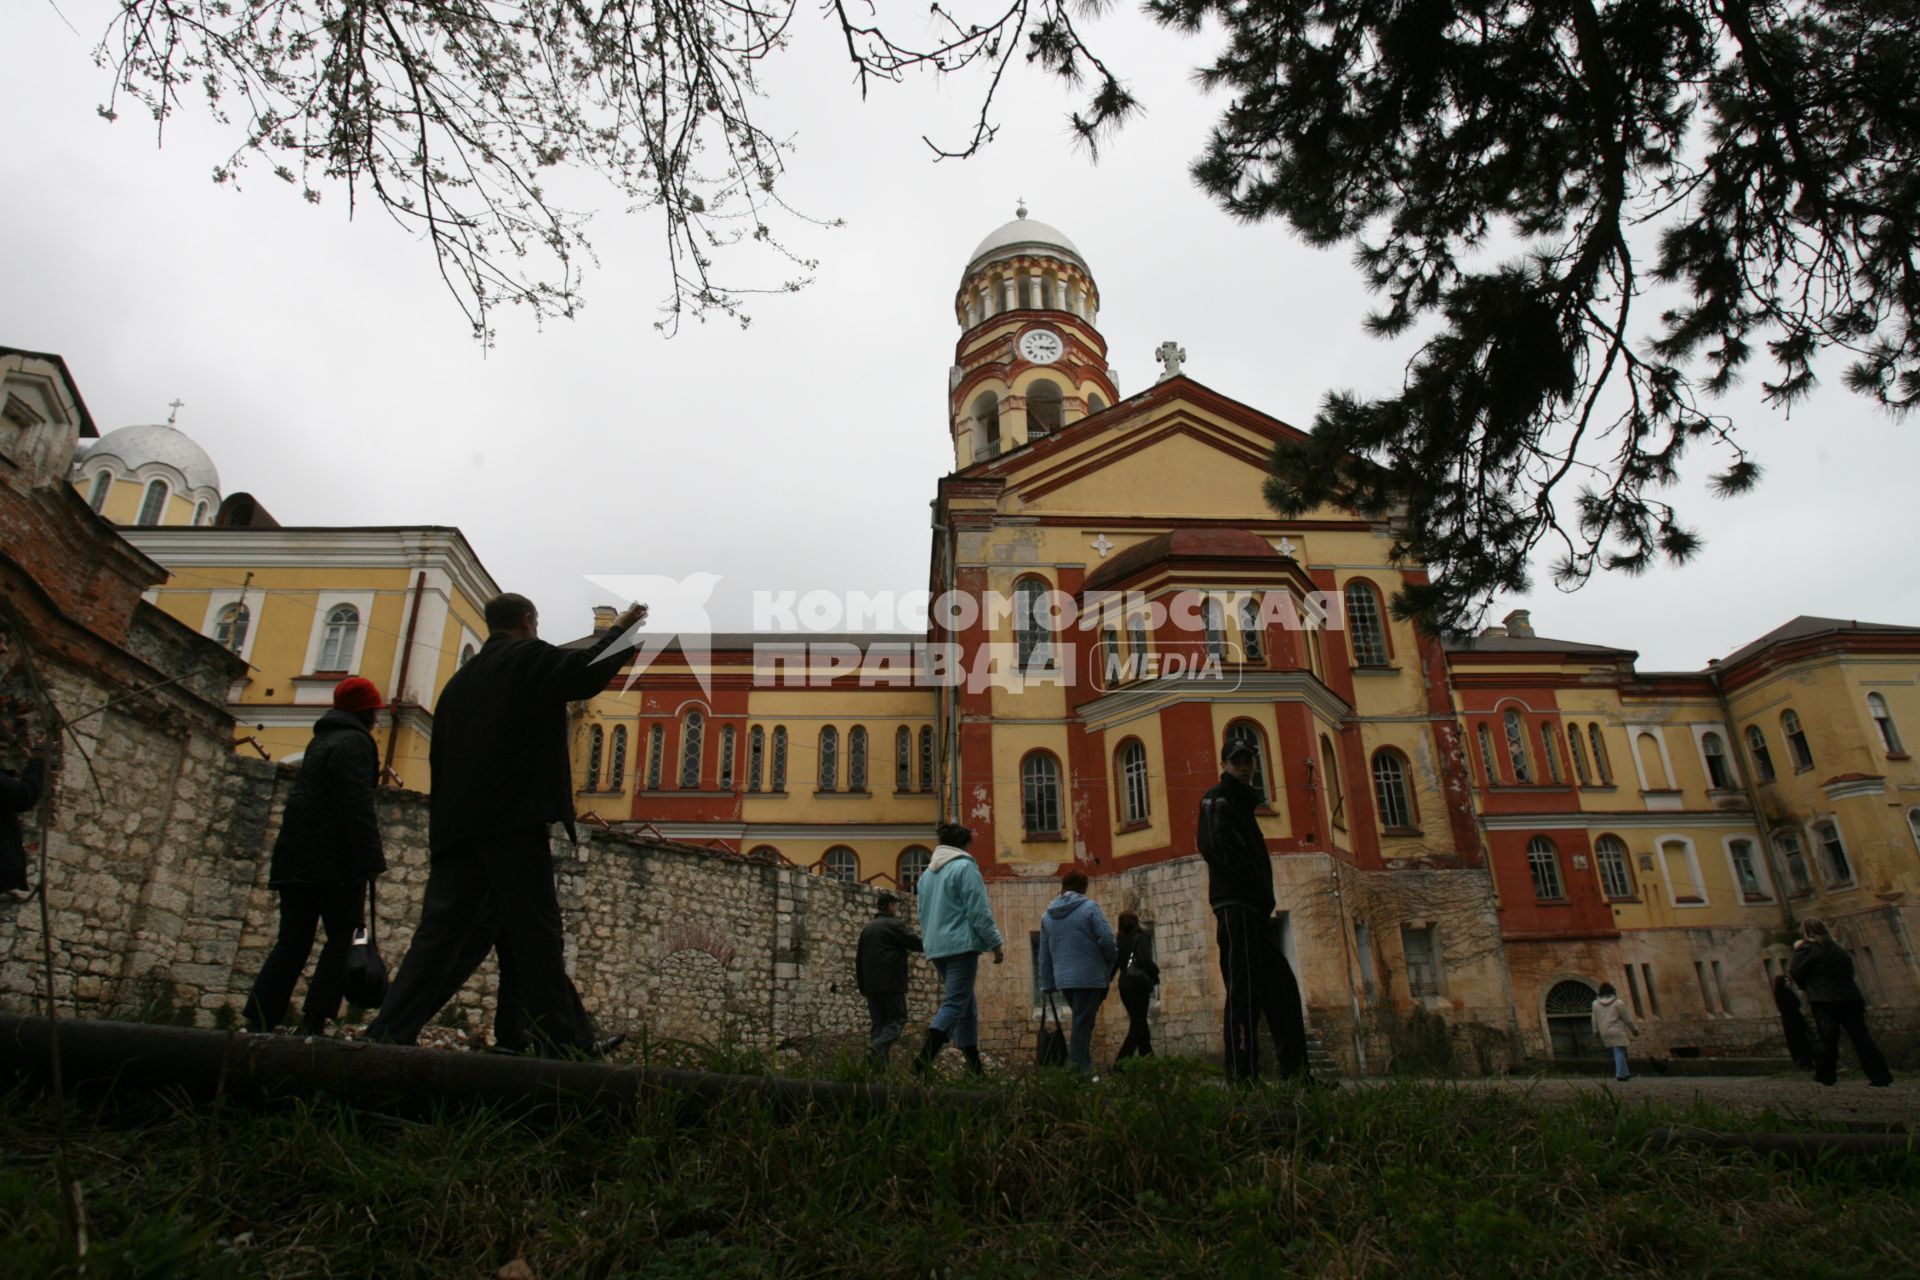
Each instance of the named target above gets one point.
<point>1077,951</point>
<point>956,924</point>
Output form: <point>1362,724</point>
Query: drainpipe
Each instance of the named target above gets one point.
<point>948,699</point>
<point>406,660</point>
<point>1782,886</point>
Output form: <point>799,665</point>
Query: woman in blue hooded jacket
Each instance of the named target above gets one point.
<point>956,925</point>
<point>1077,951</point>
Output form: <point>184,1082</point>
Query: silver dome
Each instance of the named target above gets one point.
<point>1027,235</point>
<point>135,447</point>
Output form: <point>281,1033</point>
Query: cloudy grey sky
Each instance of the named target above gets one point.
<point>328,373</point>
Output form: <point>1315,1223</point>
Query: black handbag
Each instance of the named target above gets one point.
<point>1050,1043</point>
<point>365,983</point>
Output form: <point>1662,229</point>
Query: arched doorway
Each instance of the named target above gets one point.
<point>1570,1021</point>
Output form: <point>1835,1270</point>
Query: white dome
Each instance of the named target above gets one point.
<point>135,447</point>
<point>1027,235</point>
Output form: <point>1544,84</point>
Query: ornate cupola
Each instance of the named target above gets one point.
<point>1030,361</point>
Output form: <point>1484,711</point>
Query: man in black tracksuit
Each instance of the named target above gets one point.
<point>1259,981</point>
<point>880,973</point>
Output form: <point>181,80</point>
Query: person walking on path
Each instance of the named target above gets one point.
<point>501,777</point>
<point>1612,1025</point>
<point>1259,981</point>
<point>880,974</point>
<point>324,861</point>
<point>956,925</point>
<point>1077,952</point>
<point>1133,961</point>
<point>1793,1022</point>
<point>1822,968</point>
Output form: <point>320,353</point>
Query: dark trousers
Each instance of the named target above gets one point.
<point>303,907</point>
<point>1139,1041</point>
<point>1260,984</point>
<point>887,1010</point>
<point>1850,1016</point>
<point>492,892</point>
<point>1085,1003</point>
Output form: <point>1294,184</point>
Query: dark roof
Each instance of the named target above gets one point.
<point>1456,643</point>
<point>1806,627</point>
<point>1202,544</point>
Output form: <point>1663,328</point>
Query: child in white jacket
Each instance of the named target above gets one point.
<point>1612,1025</point>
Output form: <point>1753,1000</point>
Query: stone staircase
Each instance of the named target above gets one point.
<point>1323,1064</point>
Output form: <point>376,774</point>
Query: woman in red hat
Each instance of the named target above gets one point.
<point>329,848</point>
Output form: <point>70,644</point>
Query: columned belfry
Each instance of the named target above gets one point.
<point>1029,360</point>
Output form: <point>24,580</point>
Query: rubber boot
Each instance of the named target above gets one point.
<point>972,1054</point>
<point>936,1040</point>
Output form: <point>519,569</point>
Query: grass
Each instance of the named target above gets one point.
<point>1152,1174</point>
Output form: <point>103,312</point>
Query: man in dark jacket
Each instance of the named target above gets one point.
<point>328,850</point>
<point>880,973</point>
<point>1259,981</point>
<point>501,777</point>
<point>1822,968</point>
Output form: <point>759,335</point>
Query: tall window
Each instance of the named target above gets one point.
<point>1137,649</point>
<point>656,749</point>
<point>1030,622</point>
<point>1719,771</point>
<point>690,746</point>
<point>1684,880</point>
<point>1134,796</point>
<point>596,742</point>
<point>1883,721</point>
<point>1485,737</point>
<point>1244,733</point>
<point>779,766</point>
<point>1422,951</point>
<point>1548,740</point>
<point>1602,765</point>
<point>1787,844</point>
<point>1746,871</point>
<point>840,864</point>
<point>1216,625</point>
<point>903,759</point>
<point>1336,794</point>
<point>1578,754</point>
<point>1757,748</point>
<point>857,758</point>
<point>342,634</point>
<point>926,757</point>
<point>230,629</point>
<point>1833,852</point>
<point>1913,824</point>
<point>913,864</point>
<point>1543,863</point>
<point>154,505</point>
<point>1044,407</point>
<point>617,773</point>
<point>986,416</point>
<point>756,756</point>
<point>728,738</point>
<point>1517,747</point>
<point>829,758</point>
<point>1365,631</point>
<point>102,485</point>
<point>200,512</point>
<point>1390,791</point>
<point>1796,741</point>
<point>1040,794</point>
<point>1616,876</point>
<point>1250,638</point>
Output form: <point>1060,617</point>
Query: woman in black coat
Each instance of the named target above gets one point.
<point>1793,1022</point>
<point>328,850</point>
<point>1138,976</point>
<point>1822,968</point>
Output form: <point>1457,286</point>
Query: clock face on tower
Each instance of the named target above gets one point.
<point>1041,346</point>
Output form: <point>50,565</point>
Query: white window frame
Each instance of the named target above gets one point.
<point>1136,785</point>
<point>1659,740</point>
<point>1818,848</point>
<point>325,603</point>
<point>101,489</point>
<point>256,607</point>
<point>1761,873</point>
<point>1884,726</point>
<point>1700,732</point>
<point>146,492</point>
<point>1626,869</point>
<point>1660,844</point>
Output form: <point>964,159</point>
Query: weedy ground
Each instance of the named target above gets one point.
<point>1160,1172</point>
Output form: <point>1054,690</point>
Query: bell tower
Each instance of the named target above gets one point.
<point>1029,361</point>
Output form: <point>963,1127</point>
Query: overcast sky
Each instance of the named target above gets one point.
<point>328,373</point>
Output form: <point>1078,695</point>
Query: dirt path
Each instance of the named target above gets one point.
<point>1851,1102</point>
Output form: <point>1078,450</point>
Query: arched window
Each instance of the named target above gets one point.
<point>1044,407</point>
<point>1365,630</point>
<point>1883,721</point>
<point>1616,873</point>
<point>779,767</point>
<point>1685,884</point>
<point>1757,748</point>
<point>1652,763</point>
<point>1548,740</point>
<point>840,864</point>
<point>986,418</point>
<point>617,773</point>
<point>1485,737</point>
<point>1137,646</point>
<point>154,505</point>
<point>903,759</point>
<point>1135,799</point>
<point>1094,403</point>
<point>1246,733</point>
<point>1746,870</point>
<point>1216,624</point>
<point>200,512</point>
<point>691,742</point>
<point>1543,863</point>
<point>1030,622</point>
<point>829,758</point>
<point>1719,772</point>
<point>728,740</point>
<point>596,741</point>
<point>1391,794</point>
<point>1040,794</point>
<point>1834,864</point>
<point>341,637</point>
<point>1578,754</point>
<point>1601,763</point>
<point>230,629</point>
<point>1786,843</point>
<point>756,756</point>
<point>466,655</point>
<point>913,864</point>
<point>926,757</point>
<point>102,486</point>
<point>1336,793</point>
<point>857,758</point>
<point>1252,644</point>
<point>1517,747</point>
<point>1797,746</point>
<point>656,749</point>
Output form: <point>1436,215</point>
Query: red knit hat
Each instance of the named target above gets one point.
<point>357,693</point>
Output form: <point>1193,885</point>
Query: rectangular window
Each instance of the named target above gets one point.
<point>1653,996</point>
<point>1746,871</point>
<point>1422,951</point>
<point>1633,993</point>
